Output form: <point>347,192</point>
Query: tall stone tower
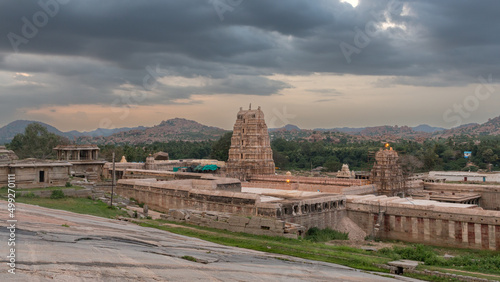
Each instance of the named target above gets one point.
<point>250,151</point>
<point>387,172</point>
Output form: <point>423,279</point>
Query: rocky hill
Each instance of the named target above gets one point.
<point>177,129</point>
<point>491,127</point>
<point>288,127</point>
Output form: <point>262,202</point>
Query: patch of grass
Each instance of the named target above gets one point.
<point>65,225</point>
<point>324,235</point>
<point>77,205</point>
<point>4,190</point>
<point>463,272</point>
<point>190,258</point>
<point>30,195</point>
<point>57,194</point>
<point>468,260</point>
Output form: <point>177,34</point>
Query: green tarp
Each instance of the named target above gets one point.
<point>206,168</point>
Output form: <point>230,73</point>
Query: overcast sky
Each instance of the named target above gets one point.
<point>81,65</point>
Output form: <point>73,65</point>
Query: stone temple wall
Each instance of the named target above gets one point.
<point>248,224</point>
<point>322,212</point>
<point>250,152</point>
<point>314,211</point>
<point>166,195</point>
<point>426,222</point>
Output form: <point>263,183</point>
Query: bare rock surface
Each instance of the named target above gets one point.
<point>63,246</point>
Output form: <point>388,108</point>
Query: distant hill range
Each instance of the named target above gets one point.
<point>10,130</point>
<point>174,129</point>
<point>420,128</point>
<point>382,133</point>
<point>177,129</point>
<point>387,132</point>
<point>187,130</point>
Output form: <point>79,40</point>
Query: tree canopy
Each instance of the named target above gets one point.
<point>220,149</point>
<point>36,142</point>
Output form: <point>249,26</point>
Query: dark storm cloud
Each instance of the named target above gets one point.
<point>88,49</point>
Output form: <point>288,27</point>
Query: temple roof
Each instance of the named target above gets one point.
<point>76,147</point>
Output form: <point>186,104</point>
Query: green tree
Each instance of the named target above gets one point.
<point>36,142</point>
<point>489,156</point>
<point>220,149</point>
<point>332,164</point>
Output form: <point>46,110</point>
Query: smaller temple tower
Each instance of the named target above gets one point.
<point>345,172</point>
<point>387,173</point>
<point>150,163</point>
<point>250,152</point>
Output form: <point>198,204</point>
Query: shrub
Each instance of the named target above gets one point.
<point>323,235</point>
<point>57,194</point>
<point>418,252</point>
<point>190,258</point>
<point>68,184</point>
<point>389,252</point>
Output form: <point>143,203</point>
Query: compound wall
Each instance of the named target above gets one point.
<point>429,224</point>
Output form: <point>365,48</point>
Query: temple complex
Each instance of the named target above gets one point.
<point>387,173</point>
<point>245,194</point>
<point>250,152</point>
